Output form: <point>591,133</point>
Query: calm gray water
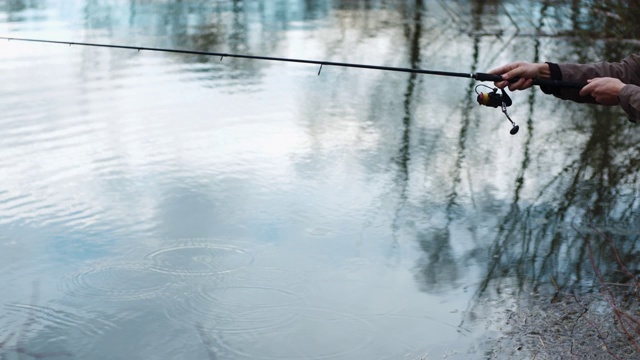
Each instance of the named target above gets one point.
<point>164,206</point>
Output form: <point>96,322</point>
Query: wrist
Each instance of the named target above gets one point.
<point>544,71</point>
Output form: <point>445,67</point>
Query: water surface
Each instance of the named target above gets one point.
<point>158,205</point>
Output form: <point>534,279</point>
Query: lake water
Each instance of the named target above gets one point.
<point>167,206</point>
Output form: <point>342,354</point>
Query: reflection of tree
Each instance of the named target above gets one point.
<point>533,239</point>
<point>413,32</point>
<point>435,243</point>
<point>613,19</point>
<point>598,179</point>
<point>14,6</point>
<point>20,343</point>
<point>440,265</point>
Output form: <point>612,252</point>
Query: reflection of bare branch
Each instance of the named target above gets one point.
<point>21,337</point>
<point>531,244</point>
<point>595,180</point>
<point>436,243</point>
<point>414,33</point>
<point>208,344</point>
<point>31,317</point>
<point>614,249</point>
<point>625,321</point>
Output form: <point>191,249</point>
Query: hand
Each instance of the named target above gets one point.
<point>525,72</point>
<point>605,90</point>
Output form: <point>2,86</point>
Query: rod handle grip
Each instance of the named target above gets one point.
<point>560,83</point>
<point>487,77</point>
<point>538,82</point>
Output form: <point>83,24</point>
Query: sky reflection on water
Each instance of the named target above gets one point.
<point>170,206</point>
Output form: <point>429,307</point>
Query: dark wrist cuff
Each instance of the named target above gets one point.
<point>555,74</point>
<point>554,68</point>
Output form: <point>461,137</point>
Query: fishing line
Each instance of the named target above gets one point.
<point>492,99</point>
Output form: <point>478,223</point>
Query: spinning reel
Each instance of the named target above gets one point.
<point>494,100</point>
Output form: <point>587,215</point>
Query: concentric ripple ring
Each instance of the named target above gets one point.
<point>199,259</point>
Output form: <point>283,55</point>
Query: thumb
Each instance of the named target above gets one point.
<point>586,90</point>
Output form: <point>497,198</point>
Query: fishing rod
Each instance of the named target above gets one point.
<point>491,99</point>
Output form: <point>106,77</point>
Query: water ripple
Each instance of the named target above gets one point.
<point>197,309</point>
<point>251,297</point>
<point>60,318</point>
<point>116,281</point>
<point>255,299</point>
<point>313,333</point>
<point>200,259</point>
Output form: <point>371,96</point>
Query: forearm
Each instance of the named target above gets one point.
<point>630,101</point>
<point>572,72</point>
<point>627,71</point>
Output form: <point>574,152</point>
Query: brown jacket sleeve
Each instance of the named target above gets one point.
<point>628,71</point>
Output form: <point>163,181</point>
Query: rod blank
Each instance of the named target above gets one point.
<point>476,76</point>
<point>244,56</point>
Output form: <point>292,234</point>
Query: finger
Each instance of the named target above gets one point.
<point>501,84</point>
<point>517,85</point>
<point>513,73</point>
<point>527,84</point>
